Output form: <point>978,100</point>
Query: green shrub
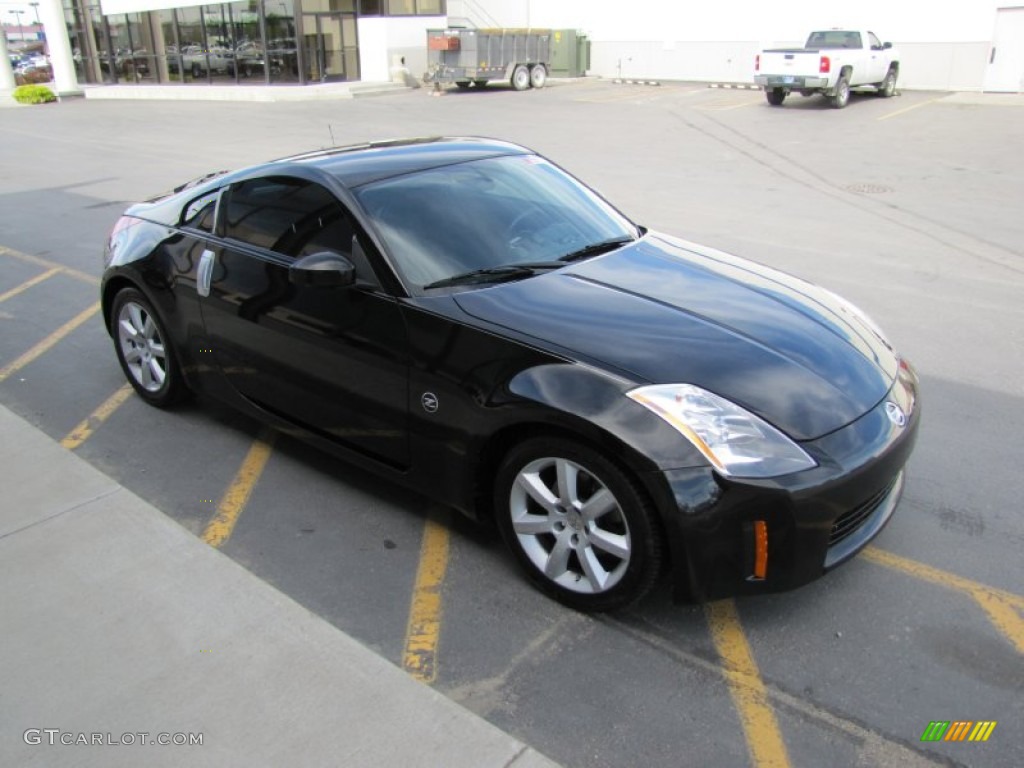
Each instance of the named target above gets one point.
<point>33,94</point>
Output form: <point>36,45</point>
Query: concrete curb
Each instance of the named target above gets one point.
<point>120,625</point>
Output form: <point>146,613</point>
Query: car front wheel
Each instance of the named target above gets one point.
<point>146,357</point>
<point>887,89</point>
<point>580,527</point>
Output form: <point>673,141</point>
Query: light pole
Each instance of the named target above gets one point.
<point>35,7</point>
<point>17,14</point>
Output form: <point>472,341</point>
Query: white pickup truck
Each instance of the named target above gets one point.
<point>832,62</point>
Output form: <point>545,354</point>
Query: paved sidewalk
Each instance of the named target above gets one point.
<point>117,622</point>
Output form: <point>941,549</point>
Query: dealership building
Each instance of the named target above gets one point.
<point>971,45</point>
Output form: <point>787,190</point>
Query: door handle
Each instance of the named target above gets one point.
<point>992,58</point>
<point>204,275</point>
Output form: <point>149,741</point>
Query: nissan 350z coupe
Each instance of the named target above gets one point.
<point>467,319</point>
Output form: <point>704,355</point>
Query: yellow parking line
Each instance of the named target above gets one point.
<point>764,739</point>
<point>43,346</point>
<point>29,283</point>
<point>219,529</point>
<point>424,629</point>
<point>911,107</point>
<point>41,262</point>
<point>84,430</point>
<point>1003,608</point>
<point>725,105</point>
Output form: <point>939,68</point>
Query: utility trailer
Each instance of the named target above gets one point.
<point>468,57</point>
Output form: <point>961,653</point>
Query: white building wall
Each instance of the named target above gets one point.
<point>384,41</point>
<point>943,47</point>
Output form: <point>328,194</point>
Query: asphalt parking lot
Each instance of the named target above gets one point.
<point>910,207</point>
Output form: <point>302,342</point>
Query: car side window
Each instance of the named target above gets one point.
<point>200,213</point>
<point>876,44</point>
<point>294,218</point>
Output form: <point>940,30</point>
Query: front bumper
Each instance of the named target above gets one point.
<point>815,520</point>
<point>791,82</point>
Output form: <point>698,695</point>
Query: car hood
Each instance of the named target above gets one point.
<point>668,311</point>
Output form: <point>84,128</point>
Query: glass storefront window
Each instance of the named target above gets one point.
<point>247,41</point>
<point>282,52</point>
<point>415,7</point>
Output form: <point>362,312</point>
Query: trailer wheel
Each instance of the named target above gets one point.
<point>463,84</point>
<point>538,76</point>
<point>480,83</point>
<point>521,77</point>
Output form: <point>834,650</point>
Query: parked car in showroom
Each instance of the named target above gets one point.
<point>833,62</point>
<point>466,319</point>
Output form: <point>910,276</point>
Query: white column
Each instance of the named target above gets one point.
<point>7,82</point>
<point>51,13</point>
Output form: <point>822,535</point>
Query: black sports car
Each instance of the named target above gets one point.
<point>466,318</point>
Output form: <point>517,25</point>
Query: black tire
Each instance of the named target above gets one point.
<point>520,78</point>
<point>841,97</point>
<point>463,84</point>
<point>887,88</point>
<point>197,71</point>
<point>144,351</point>
<point>775,96</point>
<point>600,560</point>
<point>538,76</point>
<point>480,83</point>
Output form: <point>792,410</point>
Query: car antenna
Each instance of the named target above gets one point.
<point>330,131</point>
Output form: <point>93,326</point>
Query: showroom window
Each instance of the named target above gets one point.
<point>415,7</point>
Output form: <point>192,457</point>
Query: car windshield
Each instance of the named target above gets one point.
<point>486,214</point>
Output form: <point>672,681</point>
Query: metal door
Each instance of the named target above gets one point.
<point>1005,71</point>
<point>332,47</point>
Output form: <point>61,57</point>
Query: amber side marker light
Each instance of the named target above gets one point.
<point>760,550</point>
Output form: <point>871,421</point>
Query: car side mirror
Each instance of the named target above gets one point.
<point>887,46</point>
<point>325,269</point>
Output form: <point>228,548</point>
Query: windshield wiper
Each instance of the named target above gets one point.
<point>496,274</point>
<point>597,248</point>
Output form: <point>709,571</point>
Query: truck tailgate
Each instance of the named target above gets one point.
<point>795,63</point>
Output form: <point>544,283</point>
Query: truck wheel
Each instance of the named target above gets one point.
<point>776,96</point>
<point>887,88</point>
<point>521,78</point>
<point>197,72</point>
<point>538,76</point>
<point>463,84</point>
<point>842,95</point>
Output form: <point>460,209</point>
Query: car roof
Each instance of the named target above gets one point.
<point>361,164</point>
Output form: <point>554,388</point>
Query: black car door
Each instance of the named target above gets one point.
<point>332,359</point>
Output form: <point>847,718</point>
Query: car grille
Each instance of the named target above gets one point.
<point>848,522</point>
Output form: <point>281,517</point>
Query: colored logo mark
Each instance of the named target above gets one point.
<point>958,730</point>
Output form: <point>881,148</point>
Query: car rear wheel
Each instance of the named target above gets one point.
<point>776,96</point>
<point>580,527</point>
<point>146,357</point>
<point>841,97</point>
<point>521,78</point>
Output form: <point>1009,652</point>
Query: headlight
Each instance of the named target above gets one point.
<point>735,441</point>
